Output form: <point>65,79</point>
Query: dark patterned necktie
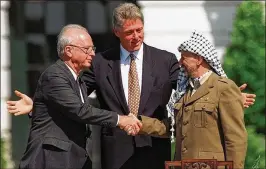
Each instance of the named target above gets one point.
<point>196,83</point>
<point>133,87</point>
<point>81,93</point>
<point>83,96</point>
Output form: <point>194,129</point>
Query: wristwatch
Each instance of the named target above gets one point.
<point>139,117</point>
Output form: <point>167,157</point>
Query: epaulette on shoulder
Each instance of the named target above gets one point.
<point>223,79</point>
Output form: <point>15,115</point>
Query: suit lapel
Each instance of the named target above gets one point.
<point>203,89</point>
<point>114,78</point>
<point>63,66</point>
<point>187,95</point>
<point>147,77</point>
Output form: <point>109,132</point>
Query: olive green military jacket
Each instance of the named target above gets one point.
<point>209,124</point>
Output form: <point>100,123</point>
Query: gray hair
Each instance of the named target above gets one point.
<point>63,40</point>
<point>126,11</point>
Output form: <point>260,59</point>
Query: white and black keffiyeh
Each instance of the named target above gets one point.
<point>201,46</point>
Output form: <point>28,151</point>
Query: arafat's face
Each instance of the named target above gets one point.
<point>131,34</point>
<point>190,62</point>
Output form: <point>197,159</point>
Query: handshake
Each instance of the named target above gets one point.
<point>131,124</point>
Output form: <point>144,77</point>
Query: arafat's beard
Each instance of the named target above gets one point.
<point>192,72</point>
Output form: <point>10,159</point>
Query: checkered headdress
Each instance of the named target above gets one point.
<point>201,46</point>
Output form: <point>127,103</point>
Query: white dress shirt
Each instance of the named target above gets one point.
<point>125,64</point>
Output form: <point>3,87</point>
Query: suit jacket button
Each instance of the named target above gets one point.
<point>184,150</point>
<point>185,122</point>
<point>86,155</point>
<point>186,108</point>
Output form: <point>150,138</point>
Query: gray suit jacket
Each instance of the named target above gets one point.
<point>58,133</point>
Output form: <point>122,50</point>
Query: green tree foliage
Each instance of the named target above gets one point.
<point>245,58</point>
<point>255,158</point>
<point>244,62</point>
<point>3,162</point>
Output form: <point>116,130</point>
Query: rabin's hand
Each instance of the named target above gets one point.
<point>248,99</point>
<point>130,129</point>
<point>130,124</point>
<point>19,107</point>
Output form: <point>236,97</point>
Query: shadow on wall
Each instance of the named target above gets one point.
<point>221,15</point>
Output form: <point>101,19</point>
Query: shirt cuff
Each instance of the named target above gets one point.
<point>117,120</point>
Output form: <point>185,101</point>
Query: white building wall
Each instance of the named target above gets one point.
<point>169,23</point>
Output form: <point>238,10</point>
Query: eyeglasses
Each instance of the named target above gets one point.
<point>86,50</point>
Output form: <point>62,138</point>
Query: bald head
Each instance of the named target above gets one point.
<point>75,47</point>
<point>71,33</point>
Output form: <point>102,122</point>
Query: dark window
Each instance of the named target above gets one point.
<point>52,51</point>
<point>33,77</point>
<point>34,26</point>
<point>35,53</point>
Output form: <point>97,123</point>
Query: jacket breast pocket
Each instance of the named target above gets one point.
<point>56,144</point>
<point>204,115</point>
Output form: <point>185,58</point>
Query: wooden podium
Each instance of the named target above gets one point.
<point>198,164</point>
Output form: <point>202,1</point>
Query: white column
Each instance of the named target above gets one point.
<point>5,83</point>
